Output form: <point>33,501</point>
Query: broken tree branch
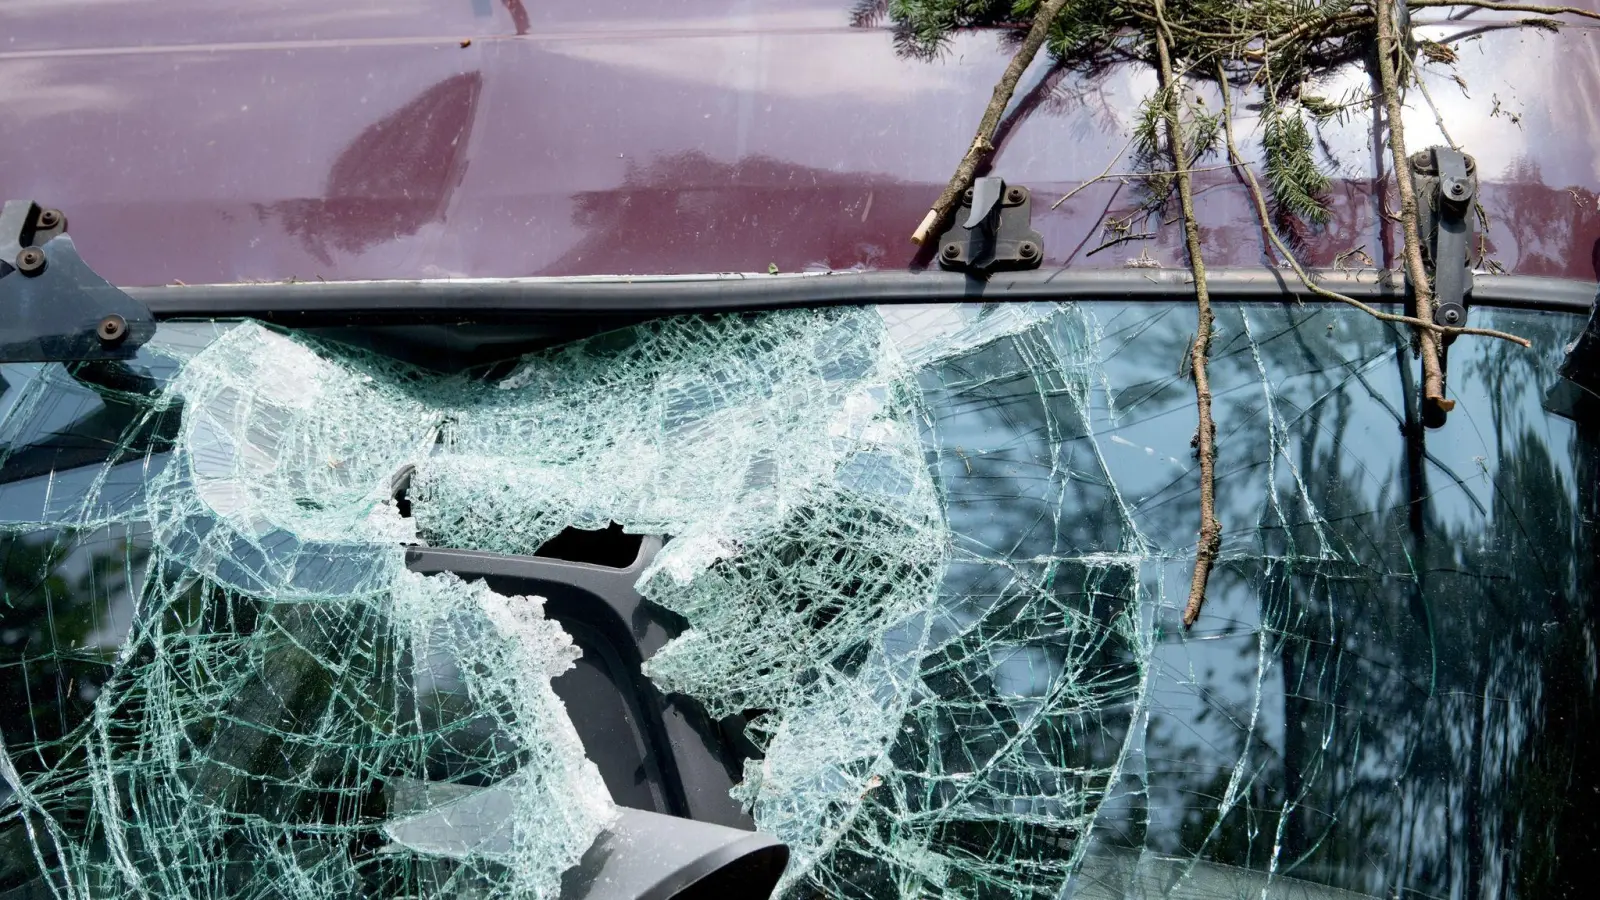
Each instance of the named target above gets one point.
<point>1427,341</point>
<point>982,142</point>
<point>1210,540</point>
<point>1236,160</point>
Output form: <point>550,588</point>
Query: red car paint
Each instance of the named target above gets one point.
<point>297,139</point>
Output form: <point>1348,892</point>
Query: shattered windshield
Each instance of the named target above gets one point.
<point>928,561</point>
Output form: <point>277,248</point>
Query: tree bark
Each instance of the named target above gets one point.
<point>983,141</point>
<point>1427,341</point>
<point>1210,542</point>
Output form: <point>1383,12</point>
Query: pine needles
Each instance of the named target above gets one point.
<point>1299,185</point>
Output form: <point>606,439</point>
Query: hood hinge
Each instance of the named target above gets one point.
<point>994,230</point>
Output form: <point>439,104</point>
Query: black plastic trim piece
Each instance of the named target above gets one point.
<point>600,600</point>
<point>1582,365</point>
<point>60,310</point>
<point>647,856</point>
<point>756,862</point>
<point>309,304</point>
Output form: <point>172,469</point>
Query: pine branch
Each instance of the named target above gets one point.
<point>1298,184</point>
<point>1210,540</point>
<point>982,143</point>
<point>1427,341</point>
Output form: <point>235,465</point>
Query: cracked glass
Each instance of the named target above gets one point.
<point>927,564</point>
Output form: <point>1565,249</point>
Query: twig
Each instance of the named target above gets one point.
<point>1106,176</point>
<point>1342,260</point>
<point>1123,239</point>
<point>1416,78</point>
<point>1382,6</point>
<point>1427,341</point>
<point>1210,540</point>
<point>982,142</point>
<point>1295,33</point>
<point>1237,37</point>
<point>1259,199</point>
<point>1106,211</point>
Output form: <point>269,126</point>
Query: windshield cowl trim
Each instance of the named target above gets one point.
<point>511,299</point>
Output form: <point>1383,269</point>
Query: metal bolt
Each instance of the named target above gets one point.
<point>30,261</point>
<point>50,218</point>
<point>967,197</point>
<point>1028,250</point>
<point>952,251</point>
<point>1015,195</point>
<point>112,329</point>
<point>1452,315</point>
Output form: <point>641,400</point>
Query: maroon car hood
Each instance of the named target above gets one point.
<point>293,139</point>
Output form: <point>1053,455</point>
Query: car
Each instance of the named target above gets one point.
<point>465,450</point>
